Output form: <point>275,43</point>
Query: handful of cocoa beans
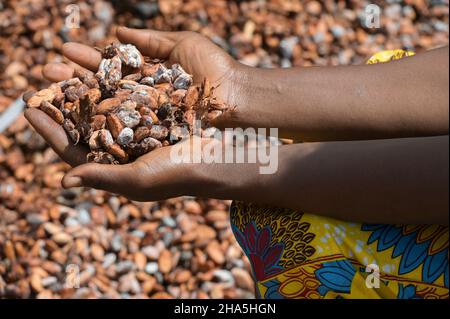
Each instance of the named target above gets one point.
<point>131,106</point>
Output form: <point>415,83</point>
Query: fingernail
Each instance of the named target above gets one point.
<point>71,181</point>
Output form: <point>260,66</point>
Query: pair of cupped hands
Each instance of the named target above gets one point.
<point>153,176</point>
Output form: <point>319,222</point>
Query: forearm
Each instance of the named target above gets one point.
<point>384,181</point>
<point>399,99</point>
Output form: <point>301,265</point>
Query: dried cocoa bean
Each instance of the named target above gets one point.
<point>176,98</point>
<point>106,139</point>
<point>166,88</point>
<point>140,133</point>
<point>59,99</point>
<point>177,70</point>
<point>146,120</point>
<point>183,81</point>
<point>128,105</point>
<point>136,77</point>
<point>129,118</point>
<point>55,87</point>
<point>148,97</point>
<point>149,69</point>
<point>191,98</point>
<point>127,53</point>
<point>159,132</point>
<point>125,137</point>
<point>75,81</point>
<point>52,111</point>
<point>94,141</point>
<point>114,124</point>
<point>71,94</point>
<point>162,75</point>
<point>98,122</point>
<point>109,74</point>
<point>148,80</point>
<point>95,95</point>
<point>164,111</point>
<point>101,158</point>
<point>43,95</point>
<point>83,75</point>
<point>73,133</point>
<point>70,106</point>
<point>128,85</point>
<point>108,106</point>
<point>84,89</point>
<point>118,152</point>
<point>146,145</point>
<point>122,94</point>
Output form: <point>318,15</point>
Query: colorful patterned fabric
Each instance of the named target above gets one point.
<point>296,255</point>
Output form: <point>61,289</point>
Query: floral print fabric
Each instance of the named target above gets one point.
<point>296,255</point>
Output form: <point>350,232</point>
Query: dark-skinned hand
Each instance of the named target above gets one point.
<point>153,176</point>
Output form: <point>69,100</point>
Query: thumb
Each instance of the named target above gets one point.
<point>112,178</point>
<point>156,44</point>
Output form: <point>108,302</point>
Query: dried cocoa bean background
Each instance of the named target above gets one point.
<point>53,239</point>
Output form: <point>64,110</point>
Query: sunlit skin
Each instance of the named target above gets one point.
<point>380,133</point>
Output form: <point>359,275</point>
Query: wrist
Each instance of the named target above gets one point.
<point>239,85</point>
<point>225,179</point>
<point>239,92</point>
<point>221,181</point>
